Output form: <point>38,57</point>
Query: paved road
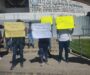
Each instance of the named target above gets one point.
<point>75,66</point>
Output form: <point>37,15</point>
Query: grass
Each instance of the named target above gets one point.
<point>81,46</point>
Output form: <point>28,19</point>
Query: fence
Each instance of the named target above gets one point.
<point>81,37</point>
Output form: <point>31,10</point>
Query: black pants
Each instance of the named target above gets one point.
<point>43,48</point>
<point>64,45</point>
<point>20,50</point>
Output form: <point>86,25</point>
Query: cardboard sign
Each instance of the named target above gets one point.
<point>14,29</point>
<point>47,19</point>
<point>65,22</point>
<point>41,30</point>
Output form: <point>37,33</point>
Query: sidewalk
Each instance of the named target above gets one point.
<point>75,66</point>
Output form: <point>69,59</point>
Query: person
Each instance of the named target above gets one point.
<point>8,44</point>
<point>43,49</point>
<point>64,42</point>
<point>49,48</point>
<point>18,44</point>
<point>30,37</point>
<point>1,39</point>
<point>49,43</point>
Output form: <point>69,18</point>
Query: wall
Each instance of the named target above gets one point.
<point>2,5</point>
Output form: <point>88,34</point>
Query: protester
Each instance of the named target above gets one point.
<point>43,49</point>
<point>18,44</point>
<point>0,43</point>
<point>1,39</point>
<point>49,45</point>
<point>49,48</point>
<point>30,37</point>
<point>8,44</point>
<point>64,42</point>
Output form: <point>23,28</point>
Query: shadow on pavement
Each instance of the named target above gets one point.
<point>79,60</point>
<point>3,53</point>
<point>36,59</point>
<point>54,57</point>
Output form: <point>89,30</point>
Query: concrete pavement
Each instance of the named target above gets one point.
<point>75,66</point>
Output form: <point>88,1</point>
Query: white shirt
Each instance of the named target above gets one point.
<point>64,35</point>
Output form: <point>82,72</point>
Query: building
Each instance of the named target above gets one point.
<point>34,9</point>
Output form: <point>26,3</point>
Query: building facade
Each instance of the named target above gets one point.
<point>34,9</point>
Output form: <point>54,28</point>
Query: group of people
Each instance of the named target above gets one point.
<point>44,44</point>
<point>64,37</point>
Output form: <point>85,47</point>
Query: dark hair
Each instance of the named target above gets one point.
<point>19,20</point>
<point>88,14</point>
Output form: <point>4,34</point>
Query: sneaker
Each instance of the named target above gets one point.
<point>32,45</point>
<point>59,59</point>
<point>12,67</point>
<point>21,64</point>
<point>66,60</point>
<point>42,64</point>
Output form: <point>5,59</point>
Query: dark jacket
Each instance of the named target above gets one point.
<point>44,42</point>
<point>20,41</point>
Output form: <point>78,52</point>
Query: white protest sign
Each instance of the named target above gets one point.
<point>41,30</point>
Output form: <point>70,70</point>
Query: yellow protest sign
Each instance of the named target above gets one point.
<point>65,22</point>
<point>47,19</point>
<point>14,29</point>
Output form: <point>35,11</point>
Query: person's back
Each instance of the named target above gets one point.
<point>64,35</point>
<point>18,41</point>
<point>64,42</point>
<point>43,42</point>
<point>18,44</point>
<point>30,38</point>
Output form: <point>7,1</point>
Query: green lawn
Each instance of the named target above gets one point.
<point>82,47</point>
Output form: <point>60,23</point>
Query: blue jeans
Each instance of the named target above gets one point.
<point>64,45</point>
<point>20,50</point>
<point>8,44</point>
<point>31,40</point>
<point>43,48</point>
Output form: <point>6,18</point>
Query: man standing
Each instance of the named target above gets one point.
<point>18,44</point>
<point>43,49</point>
<point>30,37</point>
<point>64,42</point>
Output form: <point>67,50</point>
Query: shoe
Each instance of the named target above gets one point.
<point>46,61</point>
<point>32,45</point>
<point>12,67</point>
<point>28,46</point>
<point>42,64</point>
<point>21,64</point>
<point>59,60</point>
<point>67,60</point>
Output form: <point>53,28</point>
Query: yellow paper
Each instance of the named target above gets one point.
<point>65,22</point>
<point>47,19</point>
<point>14,29</point>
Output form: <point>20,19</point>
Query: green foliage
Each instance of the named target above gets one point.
<point>81,46</point>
